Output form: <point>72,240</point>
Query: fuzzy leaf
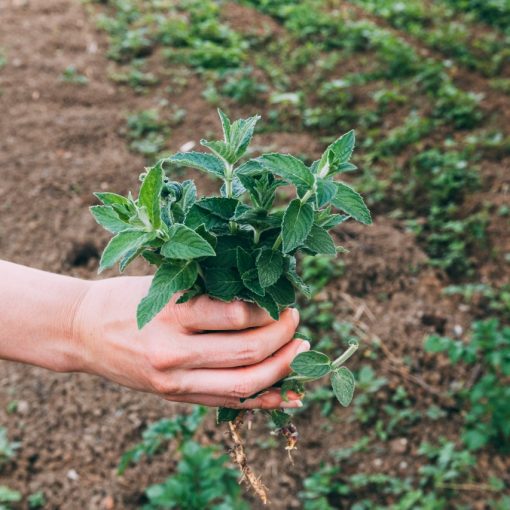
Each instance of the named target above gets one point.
<point>189,295</point>
<point>150,193</point>
<point>169,279</point>
<point>113,199</point>
<point>200,160</point>
<point>106,216</point>
<point>343,147</point>
<point>289,168</point>
<point>296,280</point>
<point>123,243</point>
<point>343,384</point>
<point>311,364</point>
<point>223,283</point>
<point>269,266</point>
<point>224,414</point>
<point>280,418</point>
<point>282,292</point>
<point>189,195</point>
<point>226,251</point>
<point>319,241</point>
<point>184,243</point>
<point>326,190</point>
<point>268,303</point>
<point>349,201</point>
<point>296,225</point>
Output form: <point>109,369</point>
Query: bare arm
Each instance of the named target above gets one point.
<point>204,351</point>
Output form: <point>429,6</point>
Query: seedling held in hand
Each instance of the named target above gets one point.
<point>237,245</point>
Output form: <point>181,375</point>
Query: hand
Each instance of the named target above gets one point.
<point>204,351</point>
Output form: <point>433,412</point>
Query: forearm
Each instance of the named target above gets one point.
<point>37,310</point>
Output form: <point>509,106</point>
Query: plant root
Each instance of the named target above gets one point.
<point>239,457</point>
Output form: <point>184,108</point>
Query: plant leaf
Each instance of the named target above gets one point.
<point>347,200</point>
<point>282,292</point>
<point>106,216</point>
<point>280,418</point>
<point>326,190</point>
<point>169,279</point>
<point>150,193</point>
<point>224,414</point>
<point>311,364</point>
<point>268,303</point>
<point>289,168</point>
<point>343,384</point>
<point>200,160</point>
<point>269,266</point>
<point>296,225</point>
<point>223,283</point>
<point>343,147</point>
<point>184,243</point>
<point>123,243</point>
<point>319,241</point>
<point>295,279</point>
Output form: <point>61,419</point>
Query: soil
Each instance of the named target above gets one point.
<point>59,142</point>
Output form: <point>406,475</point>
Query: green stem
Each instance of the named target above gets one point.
<point>345,356</point>
<point>278,242</point>
<point>256,236</point>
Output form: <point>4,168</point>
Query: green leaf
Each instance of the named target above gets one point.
<point>200,160</point>
<point>282,292</point>
<point>212,212</point>
<point>223,283</point>
<point>188,295</point>
<point>223,207</point>
<point>343,384</point>
<point>280,418</point>
<point>343,147</point>
<point>169,279</point>
<point>347,200</point>
<point>251,282</point>
<point>311,364</point>
<point>9,496</point>
<point>237,138</point>
<point>113,199</point>
<point>123,243</point>
<point>319,241</point>
<point>226,251</point>
<point>106,216</point>
<point>289,168</point>
<point>245,261</point>
<point>224,414</point>
<point>269,266</point>
<point>189,195</point>
<point>184,243</point>
<point>268,303</point>
<point>326,190</point>
<point>150,193</point>
<point>296,225</point>
<point>295,279</point>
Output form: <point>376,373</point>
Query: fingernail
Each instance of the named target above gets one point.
<point>291,404</point>
<point>295,316</point>
<point>305,346</point>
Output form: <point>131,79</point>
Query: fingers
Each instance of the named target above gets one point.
<point>241,382</point>
<point>269,400</point>
<point>237,349</point>
<point>207,314</point>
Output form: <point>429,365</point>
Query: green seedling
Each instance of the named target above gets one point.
<point>238,244</point>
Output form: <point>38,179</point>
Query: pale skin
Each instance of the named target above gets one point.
<point>204,351</point>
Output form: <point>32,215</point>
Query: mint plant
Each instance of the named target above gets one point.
<point>239,244</point>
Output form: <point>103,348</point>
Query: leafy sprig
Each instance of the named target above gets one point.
<point>238,244</point>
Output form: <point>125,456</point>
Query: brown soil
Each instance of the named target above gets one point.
<point>59,142</point>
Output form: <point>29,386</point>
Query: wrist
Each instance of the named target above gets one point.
<point>75,356</point>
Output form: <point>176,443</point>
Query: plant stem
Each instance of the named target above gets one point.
<point>307,195</point>
<point>256,236</point>
<point>278,242</point>
<point>345,356</point>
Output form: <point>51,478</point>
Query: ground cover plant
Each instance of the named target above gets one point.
<point>233,249</point>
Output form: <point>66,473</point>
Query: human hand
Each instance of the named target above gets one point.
<point>204,351</point>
